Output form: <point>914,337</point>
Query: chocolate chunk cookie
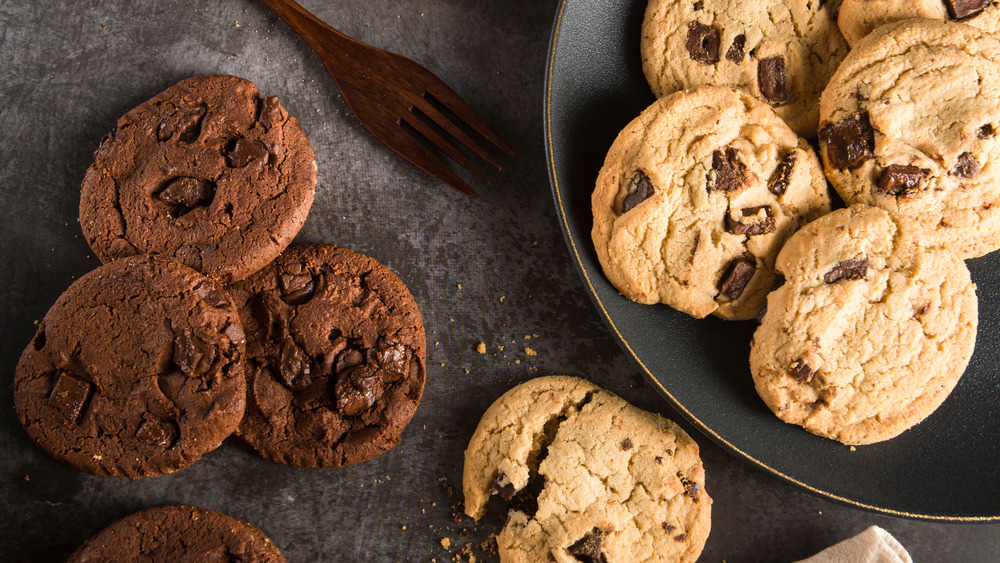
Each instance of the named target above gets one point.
<point>205,172</point>
<point>590,477</point>
<point>870,332</point>
<point>335,357</point>
<point>135,371</point>
<point>908,123</point>
<point>781,51</point>
<point>178,534</point>
<point>860,17</point>
<point>695,198</point>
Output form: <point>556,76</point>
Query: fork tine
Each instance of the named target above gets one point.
<point>410,148</point>
<point>456,105</point>
<point>444,146</point>
<point>443,122</point>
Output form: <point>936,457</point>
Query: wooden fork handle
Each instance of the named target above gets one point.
<point>330,44</point>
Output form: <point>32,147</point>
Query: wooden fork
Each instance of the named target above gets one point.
<point>397,99</point>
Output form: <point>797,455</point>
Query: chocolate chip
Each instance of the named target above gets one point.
<point>588,548</point>
<point>985,132</point>
<point>192,355</point>
<point>627,444</point>
<point>349,359</point>
<point>184,124</point>
<point>296,288</point>
<point>268,320</point>
<point>184,193</point>
<point>210,294</point>
<point>659,460</point>
<point>234,333</point>
<point>395,361</point>
<point>271,112</point>
<point>761,226</point>
<point>901,179</point>
<point>966,166</point>
<point>507,491</point>
<point>668,528</point>
<point>157,432</point>
<point>735,52</point>
<point>699,5</point>
<point>694,247</point>
<point>357,389</point>
<point>958,9</point>
<point>730,172</point>
<point>849,143</point>
<point>772,79</point>
<point>242,152</point>
<point>801,371</point>
<point>69,396</point>
<point>680,537</point>
<point>703,42</point>
<point>294,366</point>
<point>691,488</point>
<point>847,270</point>
<point>783,174</point>
<point>737,276</point>
<point>639,190</point>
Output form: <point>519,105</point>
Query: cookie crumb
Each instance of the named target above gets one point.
<point>481,347</point>
<point>446,543</point>
<point>530,351</point>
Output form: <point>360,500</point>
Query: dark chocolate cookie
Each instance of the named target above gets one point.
<point>206,172</point>
<point>335,357</point>
<point>135,371</point>
<point>178,534</point>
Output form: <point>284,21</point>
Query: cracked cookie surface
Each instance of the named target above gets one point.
<point>205,172</point>
<point>695,198</point>
<point>178,534</point>
<point>909,123</point>
<point>781,51</point>
<point>858,18</point>
<point>335,357</point>
<point>871,331</point>
<point>616,483</point>
<point>135,371</point>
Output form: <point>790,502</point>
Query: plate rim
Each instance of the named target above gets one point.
<point>677,405</point>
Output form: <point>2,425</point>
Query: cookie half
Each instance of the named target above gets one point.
<point>695,198</point>
<point>135,371</point>
<point>909,123</point>
<point>858,18</point>
<point>781,51</point>
<point>335,357</point>
<point>871,331</point>
<point>178,534</point>
<point>616,483</point>
<point>205,172</point>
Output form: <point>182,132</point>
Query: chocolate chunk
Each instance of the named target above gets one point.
<point>639,190</point>
<point>588,548</point>
<point>294,366</point>
<point>730,172</point>
<point>157,432</point>
<point>358,388</point>
<point>659,460</point>
<point>901,180</point>
<point>395,361</point>
<point>244,151</point>
<point>234,333</point>
<point>772,79</point>
<point>966,166</point>
<point>211,294</point>
<point>985,132</point>
<point>759,227</point>
<point>849,143</point>
<point>70,396</point>
<point>699,5</point>
<point>668,527</point>
<point>194,356</point>
<point>801,371</point>
<point>703,43</point>
<point>847,270</point>
<point>680,537</point>
<point>958,9</point>
<point>183,194</point>
<point>737,276</point>
<point>694,247</point>
<point>627,444</point>
<point>507,491</point>
<point>783,174</point>
<point>349,359</point>
<point>271,112</point>
<point>735,52</point>
<point>184,124</point>
<point>296,287</point>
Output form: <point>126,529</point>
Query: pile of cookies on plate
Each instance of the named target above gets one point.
<point>714,201</point>
<point>203,322</point>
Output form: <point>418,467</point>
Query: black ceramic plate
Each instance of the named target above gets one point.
<point>946,468</point>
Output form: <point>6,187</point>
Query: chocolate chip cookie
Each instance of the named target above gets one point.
<point>781,51</point>
<point>860,17</point>
<point>695,198</point>
<point>909,124</point>
<point>335,357</point>
<point>590,477</point>
<point>178,534</point>
<point>205,172</point>
<point>135,371</point>
<point>872,329</point>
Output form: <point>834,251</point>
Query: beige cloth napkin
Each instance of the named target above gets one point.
<point>873,545</point>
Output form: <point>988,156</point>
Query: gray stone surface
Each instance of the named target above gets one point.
<point>492,270</point>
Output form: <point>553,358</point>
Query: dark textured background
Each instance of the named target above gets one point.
<point>493,270</point>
